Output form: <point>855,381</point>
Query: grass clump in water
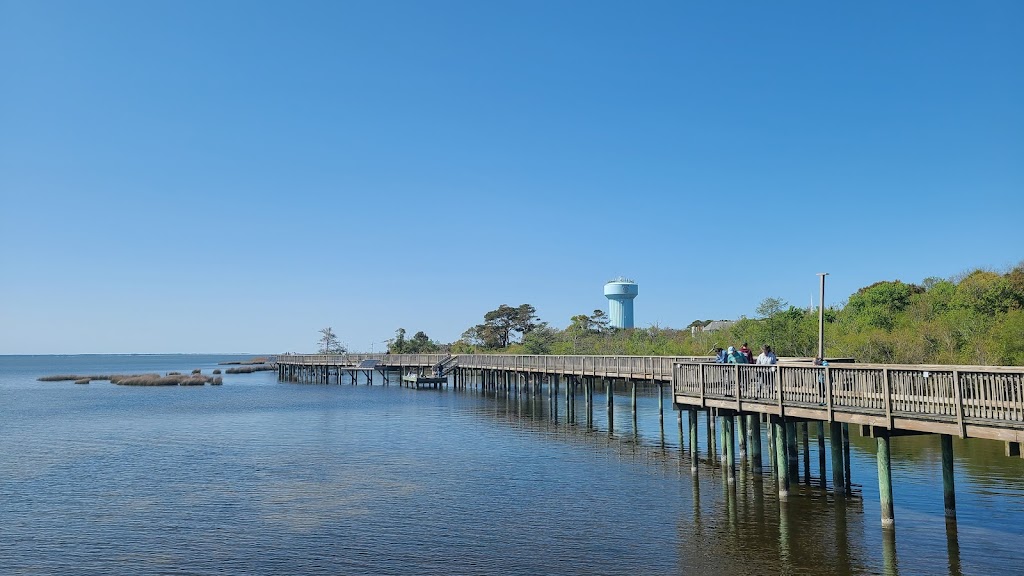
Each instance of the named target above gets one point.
<point>250,368</point>
<point>171,379</point>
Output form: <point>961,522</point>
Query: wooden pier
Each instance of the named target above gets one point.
<point>882,401</point>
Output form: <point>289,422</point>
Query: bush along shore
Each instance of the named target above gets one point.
<point>171,379</point>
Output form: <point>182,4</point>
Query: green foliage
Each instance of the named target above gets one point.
<point>976,319</point>
<point>419,344</point>
<point>501,325</point>
<point>329,343</point>
<point>877,305</point>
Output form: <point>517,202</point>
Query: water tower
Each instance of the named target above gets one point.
<point>620,293</point>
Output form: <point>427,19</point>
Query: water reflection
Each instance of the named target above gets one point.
<point>748,530</point>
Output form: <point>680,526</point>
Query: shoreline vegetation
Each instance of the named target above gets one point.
<point>243,362</point>
<point>171,379</point>
<point>973,318</point>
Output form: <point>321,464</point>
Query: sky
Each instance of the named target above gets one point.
<point>233,176</point>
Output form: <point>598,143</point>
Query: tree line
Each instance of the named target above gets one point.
<point>974,318</point>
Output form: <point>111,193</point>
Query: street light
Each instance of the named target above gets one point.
<point>821,317</point>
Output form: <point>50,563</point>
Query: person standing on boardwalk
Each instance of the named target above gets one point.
<point>736,357</point>
<point>767,357</point>
<point>720,356</point>
<point>746,352</point>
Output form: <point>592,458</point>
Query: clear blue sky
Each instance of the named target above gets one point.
<point>233,176</point>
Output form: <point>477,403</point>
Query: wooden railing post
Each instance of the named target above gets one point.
<point>736,387</point>
<point>887,383</point>
<point>829,404</point>
<point>958,398</point>
<point>702,381</point>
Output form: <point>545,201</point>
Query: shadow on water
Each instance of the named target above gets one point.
<point>744,528</point>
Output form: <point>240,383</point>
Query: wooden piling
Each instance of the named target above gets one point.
<point>792,452</point>
<point>694,448</point>
<point>846,457</point>
<point>781,458</point>
<point>948,493</point>
<point>730,447</point>
<point>885,479</point>
<point>821,452</point>
<point>741,435</point>
<point>835,438</point>
<point>806,444</point>
<point>754,431</point>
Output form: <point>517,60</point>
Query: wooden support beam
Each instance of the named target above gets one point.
<point>781,460</point>
<point>948,489</point>
<point>836,441</point>
<point>885,481</point>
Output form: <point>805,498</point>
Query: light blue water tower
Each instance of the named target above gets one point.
<point>620,293</point>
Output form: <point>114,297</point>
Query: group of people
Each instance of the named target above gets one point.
<point>745,356</point>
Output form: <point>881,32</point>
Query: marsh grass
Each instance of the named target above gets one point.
<point>250,368</point>
<point>171,379</point>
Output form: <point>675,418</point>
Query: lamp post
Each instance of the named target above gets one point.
<point>821,317</point>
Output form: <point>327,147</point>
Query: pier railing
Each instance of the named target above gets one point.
<point>636,367</point>
<point>964,395</point>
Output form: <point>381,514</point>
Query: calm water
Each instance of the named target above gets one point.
<point>260,477</point>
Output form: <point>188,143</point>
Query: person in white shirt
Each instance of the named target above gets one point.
<point>767,356</point>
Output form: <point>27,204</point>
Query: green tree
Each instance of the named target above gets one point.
<point>398,344</point>
<point>501,325</point>
<point>329,343</point>
<point>878,305</point>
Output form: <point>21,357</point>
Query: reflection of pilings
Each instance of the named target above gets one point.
<point>953,548</point>
<point>842,533</point>
<point>783,516</point>
<point>890,563</point>
<point>885,479</point>
<point>781,461</point>
<point>948,493</point>
<point>729,489</point>
<point>835,438</point>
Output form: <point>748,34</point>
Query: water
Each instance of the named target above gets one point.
<point>261,477</point>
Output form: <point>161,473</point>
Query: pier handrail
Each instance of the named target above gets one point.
<point>981,395</point>
<point>658,368</point>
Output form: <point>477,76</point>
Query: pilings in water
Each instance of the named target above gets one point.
<point>885,480</point>
<point>730,425</point>
<point>948,493</point>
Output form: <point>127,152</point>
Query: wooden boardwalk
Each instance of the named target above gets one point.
<point>965,401</point>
